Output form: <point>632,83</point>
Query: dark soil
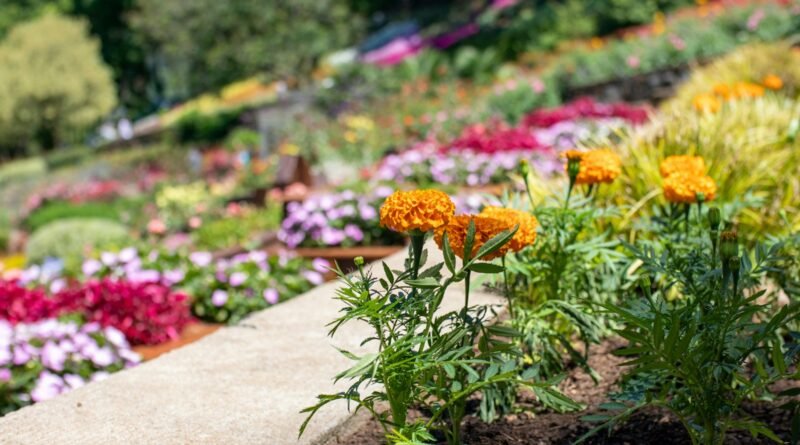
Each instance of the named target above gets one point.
<point>651,426</point>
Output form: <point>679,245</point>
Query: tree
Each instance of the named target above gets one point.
<point>52,82</point>
<point>201,45</point>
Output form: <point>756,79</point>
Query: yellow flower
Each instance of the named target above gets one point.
<point>682,163</point>
<point>685,187</point>
<point>526,233</point>
<point>772,82</point>
<point>416,210</point>
<point>358,122</point>
<point>599,166</point>
<point>350,136</point>
<point>486,228</point>
<point>706,103</point>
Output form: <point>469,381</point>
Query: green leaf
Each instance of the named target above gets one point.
<point>388,272</point>
<point>496,242</point>
<point>469,241</point>
<point>485,268</point>
<point>449,256</point>
<point>424,283</point>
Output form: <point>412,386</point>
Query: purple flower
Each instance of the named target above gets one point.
<point>21,355</point>
<point>115,337</point>
<point>174,276</point>
<point>271,295</point>
<point>108,258</point>
<point>145,276</point>
<point>91,267</point>
<point>128,254</point>
<point>5,355</point>
<point>332,237</point>
<point>219,298</point>
<point>200,259</point>
<point>320,265</point>
<point>74,381</point>
<point>53,357</point>
<point>368,213</point>
<point>237,279</point>
<point>354,233</point>
<point>58,285</point>
<point>5,374</point>
<point>313,277</point>
<point>48,386</point>
<point>103,357</point>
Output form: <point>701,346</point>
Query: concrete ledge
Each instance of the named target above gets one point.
<point>244,384</point>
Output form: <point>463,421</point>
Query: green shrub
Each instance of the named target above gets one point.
<point>70,239</point>
<point>64,210</point>
<point>65,157</point>
<point>22,170</point>
<point>236,231</point>
<point>201,127</point>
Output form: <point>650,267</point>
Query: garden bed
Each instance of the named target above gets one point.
<point>344,256</point>
<point>650,426</point>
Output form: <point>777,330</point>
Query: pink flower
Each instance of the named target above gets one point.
<point>5,374</point>
<point>271,295</point>
<point>633,62</point>
<point>195,222</point>
<point>47,387</point>
<point>156,227</point>
<point>755,19</point>
<point>313,277</point>
<point>219,298</point>
<point>53,357</point>
<point>237,279</point>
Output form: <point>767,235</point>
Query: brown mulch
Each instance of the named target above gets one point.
<point>650,426</point>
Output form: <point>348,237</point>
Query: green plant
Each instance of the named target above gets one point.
<point>238,230</point>
<point>53,88</point>
<point>702,335</point>
<point>427,357</point>
<point>71,239</point>
<point>22,170</point>
<point>196,126</point>
<point>53,211</point>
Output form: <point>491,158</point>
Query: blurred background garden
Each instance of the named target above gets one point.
<point>167,167</point>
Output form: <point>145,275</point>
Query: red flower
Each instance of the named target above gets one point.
<point>585,108</point>
<point>22,305</point>
<point>147,313</point>
<point>494,138</point>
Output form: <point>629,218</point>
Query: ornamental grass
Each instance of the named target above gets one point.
<point>750,148</point>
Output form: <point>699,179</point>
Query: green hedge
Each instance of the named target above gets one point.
<point>70,239</point>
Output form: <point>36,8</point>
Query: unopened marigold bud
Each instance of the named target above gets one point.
<point>359,261</point>
<point>714,218</point>
<point>728,245</point>
<point>524,168</point>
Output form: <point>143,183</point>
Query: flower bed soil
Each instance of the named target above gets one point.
<point>344,256</point>
<point>190,334</point>
<point>650,426</point>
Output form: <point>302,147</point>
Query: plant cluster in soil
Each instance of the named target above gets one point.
<point>649,426</point>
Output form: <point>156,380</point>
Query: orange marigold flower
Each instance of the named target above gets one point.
<point>772,82</point>
<point>747,90</point>
<point>599,166</point>
<point>685,187</point>
<point>486,228</point>
<point>416,210</point>
<point>526,233</point>
<point>706,103</point>
<point>695,165</point>
<point>723,90</point>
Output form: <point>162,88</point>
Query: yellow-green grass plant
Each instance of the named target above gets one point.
<point>751,63</point>
<point>751,147</point>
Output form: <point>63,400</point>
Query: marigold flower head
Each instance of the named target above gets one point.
<point>747,89</point>
<point>772,82</point>
<point>599,166</point>
<point>706,103</point>
<point>416,210</point>
<point>486,228</point>
<point>526,233</point>
<point>723,90</point>
<point>685,187</point>
<point>682,163</point>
